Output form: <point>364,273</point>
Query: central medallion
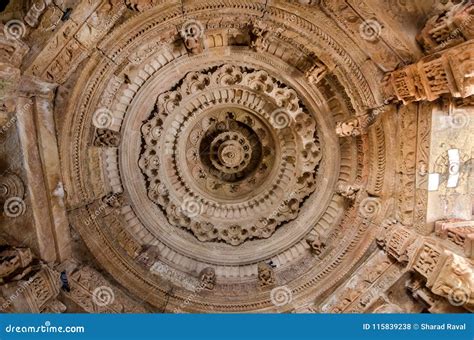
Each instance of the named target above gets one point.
<point>230,147</point>
<point>220,163</point>
<point>233,154</point>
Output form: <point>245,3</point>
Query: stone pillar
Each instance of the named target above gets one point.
<point>37,135</point>
<point>449,72</point>
<point>434,261</point>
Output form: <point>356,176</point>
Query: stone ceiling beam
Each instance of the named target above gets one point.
<point>37,134</point>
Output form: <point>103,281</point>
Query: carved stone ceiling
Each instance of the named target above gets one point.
<point>197,142</point>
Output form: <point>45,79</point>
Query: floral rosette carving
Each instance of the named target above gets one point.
<point>211,144</point>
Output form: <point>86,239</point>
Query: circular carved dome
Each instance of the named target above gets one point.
<point>229,170</point>
<point>211,143</point>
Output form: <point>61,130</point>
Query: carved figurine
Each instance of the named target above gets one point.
<point>208,278</point>
<point>266,276</point>
<point>316,244</point>
<point>347,190</point>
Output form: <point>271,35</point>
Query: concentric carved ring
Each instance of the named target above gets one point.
<point>227,156</point>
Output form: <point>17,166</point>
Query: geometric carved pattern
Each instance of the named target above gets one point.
<point>227,151</point>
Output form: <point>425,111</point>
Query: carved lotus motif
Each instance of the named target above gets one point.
<point>225,164</point>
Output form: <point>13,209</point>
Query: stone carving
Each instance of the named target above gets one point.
<point>92,292</point>
<point>427,260</point>
<point>148,256</point>
<point>246,111</point>
<point>36,10</point>
<point>397,241</point>
<point>229,152</point>
<point>317,72</point>
<point>140,5</point>
<point>347,190</point>
<point>448,28</point>
<point>354,126</point>
<point>107,138</point>
<point>266,277</point>
<point>208,278</point>
<point>260,37</point>
<point>455,281</point>
<point>26,284</point>
<point>458,232</point>
<point>12,50</point>
<point>13,259</point>
<point>11,185</point>
<point>364,287</point>
<point>192,33</point>
<point>449,72</point>
<point>316,244</point>
<point>43,286</point>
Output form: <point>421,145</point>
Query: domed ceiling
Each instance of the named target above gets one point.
<point>217,156</point>
<point>214,129</point>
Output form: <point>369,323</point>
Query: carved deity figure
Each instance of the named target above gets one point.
<point>266,276</point>
<point>347,190</point>
<point>260,41</point>
<point>354,126</point>
<point>316,244</point>
<point>148,256</point>
<point>208,278</point>
<point>348,128</point>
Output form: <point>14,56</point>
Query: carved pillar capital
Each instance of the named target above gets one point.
<point>444,272</point>
<point>450,72</point>
<point>34,87</point>
<point>448,28</point>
